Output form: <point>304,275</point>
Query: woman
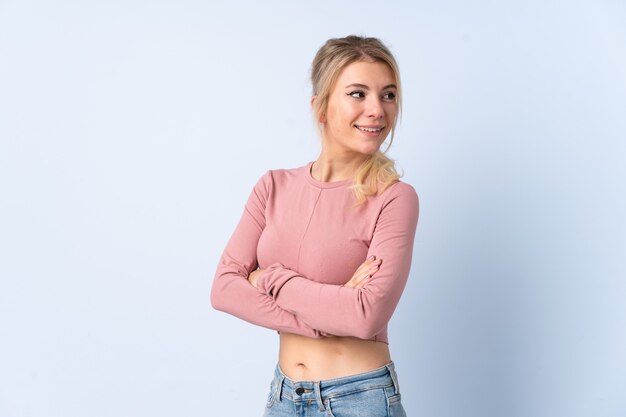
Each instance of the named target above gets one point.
<point>322,252</point>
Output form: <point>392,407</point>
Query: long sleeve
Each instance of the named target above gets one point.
<point>231,291</point>
<point>343,311</point>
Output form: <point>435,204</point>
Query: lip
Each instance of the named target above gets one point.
<point>379,130</point>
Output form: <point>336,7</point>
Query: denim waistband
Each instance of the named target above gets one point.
<point>285,388</point>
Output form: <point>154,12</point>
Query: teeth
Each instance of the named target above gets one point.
<point>369,129</point>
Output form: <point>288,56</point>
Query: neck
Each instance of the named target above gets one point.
<point>329,168</point>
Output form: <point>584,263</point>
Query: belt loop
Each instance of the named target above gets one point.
<point>318,396</point>
<point>279,388</point>
<point>394,377</point>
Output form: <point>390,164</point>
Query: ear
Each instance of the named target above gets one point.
<point>322,119</point>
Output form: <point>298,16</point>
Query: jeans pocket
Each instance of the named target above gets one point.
<point>370,402</point>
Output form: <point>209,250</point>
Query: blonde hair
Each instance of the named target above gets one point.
<point>378,171</point>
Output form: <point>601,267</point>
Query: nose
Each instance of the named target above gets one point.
<point>375,108</point>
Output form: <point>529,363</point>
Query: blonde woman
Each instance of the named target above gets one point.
<point>323,251</point>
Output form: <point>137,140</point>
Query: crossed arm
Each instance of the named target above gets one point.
<point>231,291</point>
<point>287,301</point>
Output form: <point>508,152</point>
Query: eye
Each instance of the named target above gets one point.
<point>389,96</point>
<point>357,94</point>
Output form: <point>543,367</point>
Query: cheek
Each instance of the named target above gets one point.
<point>391,110</point>
<point>343,115</point>
<point>342,120</point>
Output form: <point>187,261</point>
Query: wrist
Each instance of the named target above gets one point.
<point>253,278</point>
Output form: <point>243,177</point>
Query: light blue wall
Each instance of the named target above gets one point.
<point>132,132</point>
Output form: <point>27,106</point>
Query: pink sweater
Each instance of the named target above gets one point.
<point>309,241</point>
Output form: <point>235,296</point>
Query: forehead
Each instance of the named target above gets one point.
<point>372,74</point>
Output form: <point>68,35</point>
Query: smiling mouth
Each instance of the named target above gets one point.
<point>370,129</point>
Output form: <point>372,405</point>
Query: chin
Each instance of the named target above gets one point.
<point>370,151</point>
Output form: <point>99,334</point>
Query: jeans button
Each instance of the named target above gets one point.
<point>299,390</point>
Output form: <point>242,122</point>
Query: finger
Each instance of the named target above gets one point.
<point>358,278</point>
<point>355,279</point>
<point>368,267</point>
<point>364,282</point>
<point>376,263</point>
<point>374,267</point>
<point>353,283</point>
<point>361,279</point>
<point>363,269</point>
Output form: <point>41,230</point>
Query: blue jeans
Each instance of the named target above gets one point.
<point>370,394</point>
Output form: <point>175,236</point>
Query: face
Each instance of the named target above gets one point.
<point>361,109</point>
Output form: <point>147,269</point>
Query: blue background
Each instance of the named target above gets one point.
<point>131,134</point>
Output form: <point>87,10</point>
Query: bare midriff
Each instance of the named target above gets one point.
<point>304,359</point>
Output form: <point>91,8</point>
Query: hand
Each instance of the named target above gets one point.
<point>254,276</point>
<point>364,272</point>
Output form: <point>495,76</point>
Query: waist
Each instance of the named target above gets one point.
<point>303,358</point>
<point>284,387</point>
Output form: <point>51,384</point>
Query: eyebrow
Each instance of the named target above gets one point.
<point>367,88</point>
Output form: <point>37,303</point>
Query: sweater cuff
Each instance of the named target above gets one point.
<point>273,278</point>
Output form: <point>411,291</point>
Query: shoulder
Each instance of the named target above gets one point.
<point>273,178</point>
<point>398,211</point>
<point>268,183</point>
<point>400,192</point>
<point>400,205</point>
